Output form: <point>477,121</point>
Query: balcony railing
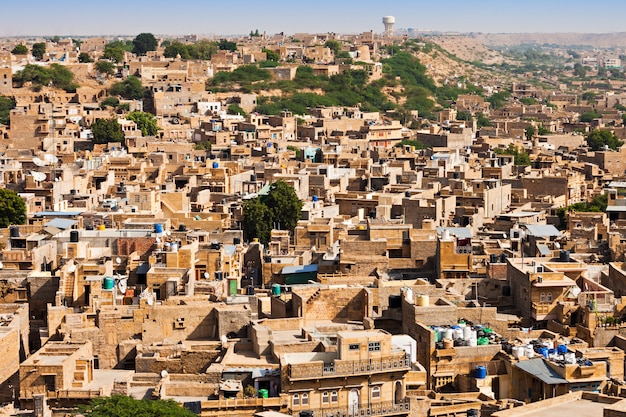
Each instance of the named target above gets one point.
<point>243,403</point>
<point>338,368</point>
<point>381,409</point>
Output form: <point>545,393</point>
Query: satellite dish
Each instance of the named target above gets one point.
<point>51,158</point>
<point>57,179</point>
<point>150,301</point>
<point>118,260</point>
<point>39,162</point>
<point>206,275</point>
<point>158,240</point>
<point>557,245</point>
<point>71,268</point>
<point>168,233</point>
<point>164,373</point>
<point>122,285</point>
<point>38,176</point>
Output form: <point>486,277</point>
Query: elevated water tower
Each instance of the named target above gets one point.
<point>389,21</point>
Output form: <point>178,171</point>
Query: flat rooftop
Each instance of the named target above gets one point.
<point>576,403</point>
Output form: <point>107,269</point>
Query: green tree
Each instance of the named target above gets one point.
<point>12,208</point>
<point>130,89</point>
<point>146,122</point>
<point>597,204</point>
<point>579,70</point>
<point>497,100</point>
<point>114,51</point>
<point>529,132</point>
<point>413,143</point>
<point>225,45</point>
<point>6,105</point>
<point>333,45</point>
<point>235,108</point>
<point>107,130</point>
<point>38,50</point>
<point>84,57</point>
<point>19,50</point>
<point>587,117</point>
<point>109,102</point>
<point>599,139</point>
<point>105,67</point>
<point>271,55</point>
<point>121,406</point>
<point>482,120</point>
<point>54,75</point>
<point>177,48</point>
<point>589,96</point>
<point>519,157</point>
<point>279,208</point>
<point>143,43</point>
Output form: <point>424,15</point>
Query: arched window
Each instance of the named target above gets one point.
<point>542,297</point>
<point>296,400</point>
<point>305,399</point>
<point>333,397</point>
<point>549,297</point>
<point>375,392</point>
<point>325,397</point>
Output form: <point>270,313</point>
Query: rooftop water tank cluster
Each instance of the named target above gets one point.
<point>464,334</point>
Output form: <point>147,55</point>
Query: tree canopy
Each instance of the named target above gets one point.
<point>105,67</point>
<point>115,51</point>
<point>6,104</point>
<point>122,406</point>
<point>143,43</point>
<point>19,50</point>
<point>146,122</point>
<point>54,75</point>
<point>130,89</point>
<point>278,209</point>
<point>520,157</point>
<point>107,130</point>
<point>599,139</point>
<point>12,208</point>
<point>38,50</point>
<point>84,57</point>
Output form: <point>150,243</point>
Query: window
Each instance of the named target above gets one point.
<point>325,397</point>
<point>375,392</point>
<point>49,383</point>
<point>305,399</point>
<point>549,297</point>
<point>296,400</point>
<point>333,397</point>
<point>354,346</point>
<point>373,346</point>
<point>542,297</point>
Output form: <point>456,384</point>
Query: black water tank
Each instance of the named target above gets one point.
<point>493,258</point>
<point>236,241</point>
<point>564,256</point>
<point>395,301</point>
<point>250,290</point>
<point>253,178</point>
<point>472,412</point>
<point>74,236</point>
<point>306,413</point>
<point>14,231</point>
<point>407,194</point>
<point>503,258</point>
<point>182,228</point>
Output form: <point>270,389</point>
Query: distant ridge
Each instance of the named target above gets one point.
<point>602,40</point>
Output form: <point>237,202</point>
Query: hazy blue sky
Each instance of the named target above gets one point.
<point>89,17</point>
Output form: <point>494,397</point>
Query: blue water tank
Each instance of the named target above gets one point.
<point>216,165</point>
<point>108,283</point>
<point>315,198</point>
<point>276,289</point>
<point>543,351</point>
<point>480,372</point>
<point>158,228</point>
<point>560,349</point>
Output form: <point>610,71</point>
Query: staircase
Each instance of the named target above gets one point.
<point>314,297</point>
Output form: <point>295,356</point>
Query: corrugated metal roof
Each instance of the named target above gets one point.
<point>62,224</point>
<point>461,232</point>
<point>299,269</point>
<point>539,369</point>
<point>542,230</point>
<point>543,249</point>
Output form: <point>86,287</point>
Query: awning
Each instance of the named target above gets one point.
<point>538,369</point>
<point>562,282</point>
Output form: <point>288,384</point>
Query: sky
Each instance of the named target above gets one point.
<point>229,17</point>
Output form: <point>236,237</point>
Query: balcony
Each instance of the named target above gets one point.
<point>241,403</point>
<point>380,409</point>
<point>397,362</point>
